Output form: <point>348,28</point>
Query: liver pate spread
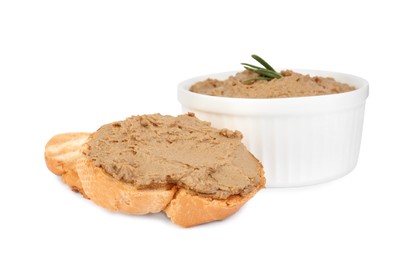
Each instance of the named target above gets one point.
<point>292,84</point>
<point>154,151</point>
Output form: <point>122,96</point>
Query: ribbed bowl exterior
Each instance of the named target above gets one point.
<point>300,141</point>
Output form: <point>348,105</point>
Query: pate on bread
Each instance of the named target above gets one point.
<point>145,164</point>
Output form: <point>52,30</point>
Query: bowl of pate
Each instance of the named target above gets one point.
<point>304,127</point>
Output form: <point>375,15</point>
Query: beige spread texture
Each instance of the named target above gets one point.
<point>158,151</point>
<point>292,84</point>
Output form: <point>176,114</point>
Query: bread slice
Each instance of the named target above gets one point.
<point>64,157</point>
<point>61,155</point>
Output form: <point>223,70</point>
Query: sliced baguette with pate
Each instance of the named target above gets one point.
<point>69,155</point>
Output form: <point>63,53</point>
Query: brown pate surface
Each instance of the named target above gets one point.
<point>153,151</point>
<point>292,84</point>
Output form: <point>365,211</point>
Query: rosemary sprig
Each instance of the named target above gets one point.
<point>265,73</point>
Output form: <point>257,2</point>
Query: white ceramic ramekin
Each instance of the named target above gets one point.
<point>300,140</point>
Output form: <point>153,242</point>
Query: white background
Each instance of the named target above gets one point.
<point>74,65</point>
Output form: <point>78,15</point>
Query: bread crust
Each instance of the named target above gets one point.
<point>61,155</point>
<point>65,157</point>
<point>187,209</point>
<point>115,195</point>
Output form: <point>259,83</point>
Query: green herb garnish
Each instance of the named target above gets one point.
<point>265,73</point>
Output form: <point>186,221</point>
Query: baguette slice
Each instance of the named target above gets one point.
<point>64,157</point>
<point>61,155</point>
